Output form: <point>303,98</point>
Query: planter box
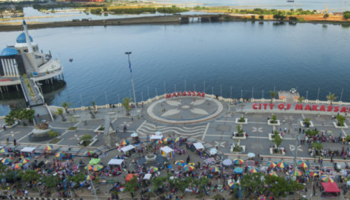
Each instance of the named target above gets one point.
<point>270,136</point>
<point>237,121</point>
<point>13,125</point>
<point>243,150</point>
<point>279,148</point>
<point>99,131</point>
<point>311,124</point>
<point>274,124</point>
<point>239,138</point>
<point>336,126</point>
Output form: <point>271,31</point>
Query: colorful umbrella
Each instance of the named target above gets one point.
<point>98,168</point>
<point>262,197</point>
<point>167,139</point>
<point>48,148</point>
<point>89,153</point>
<point>94,161</point>
<point>189,168</point>
<point>238,161</point>
<point>192,164</point>
<point>231,184</point>
<point>89,167</point>
<point>282,164</point>
<point>17,166</point>
<point>6,160</point>
<point>214,169</point>
<point>273,174</point>
<point>158,142</point>
<point>153,169</point>
<point>179,162</point>
<point>178,139</point>
<point>254,170</point>
<point>24,161</point>
<point>88,178</point>
<point>134,135</point>
<point>271,164</point>
<point>314,173</point>
<point>238,170</point>
<point>124,143</point>
<point>60,154</point>
<point>327,179</point>
<point>3,150</point>
<point>297,173</point>
<point>303,164</point>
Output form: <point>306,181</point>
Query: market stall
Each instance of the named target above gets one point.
<point>330,189</point>
<point>118,162</point>
<point>156,137</point>
<point>128,149</point>
<point>167,152</point>
<point>198,146</point>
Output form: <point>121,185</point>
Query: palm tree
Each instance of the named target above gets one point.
<point>60,113</point>
<point>331,98</point>
<point>94,106</point>
<point>66,105</point>
<point>126,104</point>
<point>301,99</point>
<point>272,95</point>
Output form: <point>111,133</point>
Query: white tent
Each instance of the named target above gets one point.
<point>28,149</point>
<point>198,145</point>
<point>127,148</point>
<point>147,177</point>
<point>116,162</point>
<point>167,152</point>
<point>156,137</point>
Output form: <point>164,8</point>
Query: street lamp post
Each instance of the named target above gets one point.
<point>132,80</point>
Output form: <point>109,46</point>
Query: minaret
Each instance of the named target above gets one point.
<point>30,48</point>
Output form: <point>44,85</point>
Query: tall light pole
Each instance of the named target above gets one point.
<point>132,80</point>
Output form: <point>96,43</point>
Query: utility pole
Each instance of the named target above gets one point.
<point>132,79</point>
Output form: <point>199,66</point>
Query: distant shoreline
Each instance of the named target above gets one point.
<point>168,19</point>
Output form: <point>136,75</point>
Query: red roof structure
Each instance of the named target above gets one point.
<point>130,176</point>
<point>330,187</point>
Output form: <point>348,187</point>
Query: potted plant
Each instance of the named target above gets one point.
<point>307,122</point>
<point>240,132</point>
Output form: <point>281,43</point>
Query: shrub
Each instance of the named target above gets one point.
<point>53,133</point>
<point>241,119</point>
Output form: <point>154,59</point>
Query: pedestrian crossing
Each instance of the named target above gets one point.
<point>147,128</point>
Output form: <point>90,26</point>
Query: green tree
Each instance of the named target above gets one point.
<point>311,133</point>
<point>53,133</point>
<point>317,145</point>
<point>281,187</point>
<point>9,119</point>
<point>66,105</point>
<point>86,138</point>
<point>158,182</point>
<point>72,120</point>
<point>346,14</point>
<point>60,113</point>
<point>277,140</point>
<point>239,130</point>
<point>93,103</point>
<point>274,118</point>
<point>261,17</point>
<point>77,177</point>
<point>126,104</point>
<point>272,95</point>
<point>341,120</point>
<point>29,175</point>
<point>253,182</point>
<point>325,16</point>
<point>307,122</point>
<point>331,98</point>
<point>50,181</point>
<point>301,99</point>
<point>131,185</point>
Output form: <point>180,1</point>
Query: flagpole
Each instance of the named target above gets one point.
<point>132,79</point>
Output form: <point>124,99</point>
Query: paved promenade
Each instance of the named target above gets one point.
<point>205,120</point>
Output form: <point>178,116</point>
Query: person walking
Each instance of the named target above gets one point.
<point>14,142</point>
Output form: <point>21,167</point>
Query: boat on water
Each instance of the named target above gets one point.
<point>25,58</point>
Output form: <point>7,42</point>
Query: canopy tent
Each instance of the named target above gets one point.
<point>330,187</point>
<point>127,148</point>
<point>156,137</point>
<point>130,176</point>
<point>28,149</point>
<point>167,152</point>
<point>116,162</point>
<point>147,177</point>
<point>94,161</point>
<point>198,145</point>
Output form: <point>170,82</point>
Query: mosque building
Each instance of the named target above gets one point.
<point>25,59</point>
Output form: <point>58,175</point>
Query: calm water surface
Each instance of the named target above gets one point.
<point>243,55</point>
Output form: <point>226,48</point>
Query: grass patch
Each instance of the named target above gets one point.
<point>72,128</point>
<point>55,141</point>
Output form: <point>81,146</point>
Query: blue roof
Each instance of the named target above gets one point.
<point>8,51</point>
<point>22,38</point>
